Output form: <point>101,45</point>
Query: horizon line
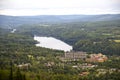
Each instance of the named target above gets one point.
<point>59,14</point>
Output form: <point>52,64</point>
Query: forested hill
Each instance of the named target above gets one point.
<point>20,59</point>
<point>14,21</point>
<point>89,33</point>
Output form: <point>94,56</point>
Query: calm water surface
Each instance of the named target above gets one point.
<point>52,43</point>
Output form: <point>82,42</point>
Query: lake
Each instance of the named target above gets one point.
<point>52,43</point>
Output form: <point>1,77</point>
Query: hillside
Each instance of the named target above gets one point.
<point>72,29</point>
<point>102,33</point>
<point>15,21</point>
<point>20,59</point>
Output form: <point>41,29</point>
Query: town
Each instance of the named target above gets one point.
<point>81,61</point>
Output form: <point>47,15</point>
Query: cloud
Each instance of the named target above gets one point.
<point>39,7</point>
<point>65,11</point>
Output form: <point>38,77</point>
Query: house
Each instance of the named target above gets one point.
<point>49,64</point>
<point>87,66</point>
<point>84,73</point>
<point>24,66</point>
<point>97,58</point>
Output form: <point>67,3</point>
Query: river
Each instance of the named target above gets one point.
<point>13,31</point>
<point>52,43</point>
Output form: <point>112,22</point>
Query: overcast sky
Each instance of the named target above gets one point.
<point>58,7</point>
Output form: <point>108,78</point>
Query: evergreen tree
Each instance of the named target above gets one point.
<point>11,70</point>
<point>18,75</point>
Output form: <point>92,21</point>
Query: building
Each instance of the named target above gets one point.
<point>97,58</point>
<point>75,55</point>
<point>24,66</point>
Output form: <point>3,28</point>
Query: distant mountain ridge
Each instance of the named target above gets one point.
<point>12,21</point>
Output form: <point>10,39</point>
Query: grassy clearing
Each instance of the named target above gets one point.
<point>117,41</point>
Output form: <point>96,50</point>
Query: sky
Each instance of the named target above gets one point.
<point>58,7</point>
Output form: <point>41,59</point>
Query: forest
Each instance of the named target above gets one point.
<point>20,59</point>
<point>93,37</point>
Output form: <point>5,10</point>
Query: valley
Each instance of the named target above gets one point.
<point>95,42</point>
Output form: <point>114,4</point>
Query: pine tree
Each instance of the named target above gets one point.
<point>18,75</point>
<point>11,70</point>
